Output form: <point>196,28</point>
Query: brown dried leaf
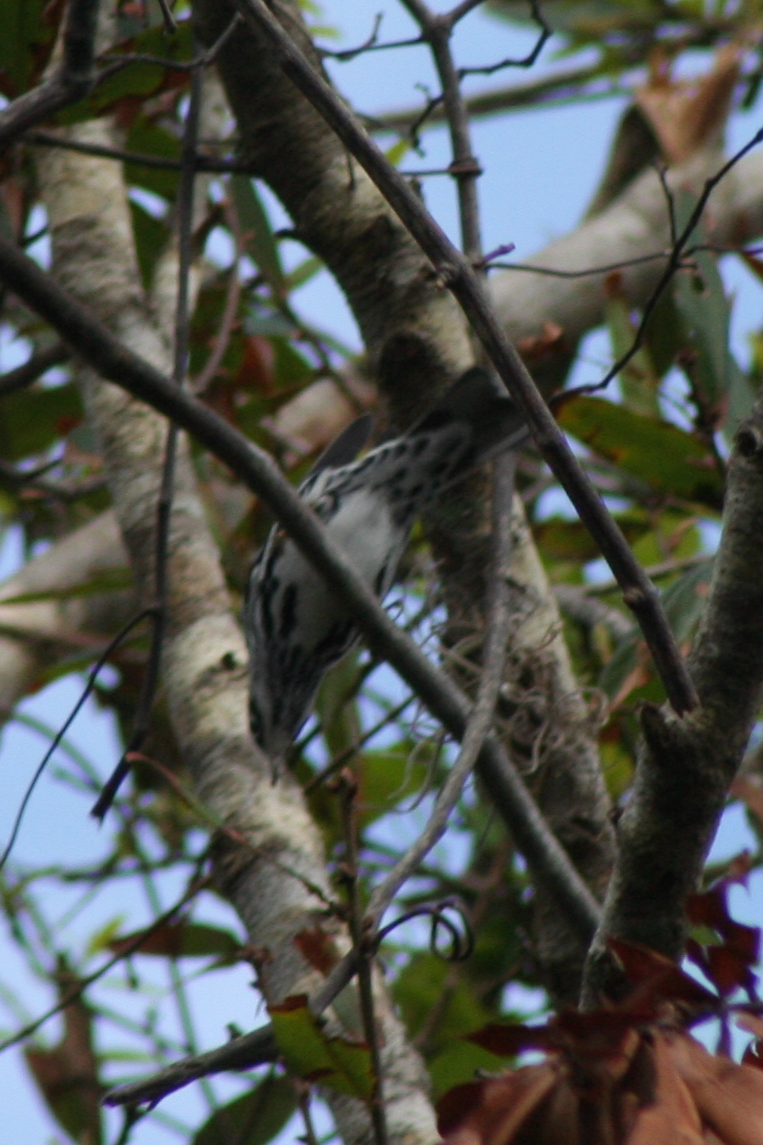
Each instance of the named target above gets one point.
<point>549,344</point>
<point>491,1112</point>
<point>671,1118</point>
<point>687,115</point>
<point>729,1097</point>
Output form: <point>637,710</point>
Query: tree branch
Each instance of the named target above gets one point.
<point>638,593</point>
<point>90,338</point>
<point>685,767</point>
<point>72,81</point>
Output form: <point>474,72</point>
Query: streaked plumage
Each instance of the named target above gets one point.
<point>295,627</point>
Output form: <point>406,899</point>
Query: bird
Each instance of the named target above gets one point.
<point>296,628</point>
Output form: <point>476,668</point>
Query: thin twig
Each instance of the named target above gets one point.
<point>436,31</point>
<point>139,158</point>
<point>83,983</point>
<point>33,368</point>
<point>677,252</point>
<point>526,61</point>
<point>230,310</point>
<point>350,53</point>
<point>497,626</point>
<point>560,86</point>
<point>147,698</point>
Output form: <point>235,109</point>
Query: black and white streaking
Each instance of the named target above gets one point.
<point>296,628</point>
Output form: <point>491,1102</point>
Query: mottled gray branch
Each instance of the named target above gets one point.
<point>685,766</point>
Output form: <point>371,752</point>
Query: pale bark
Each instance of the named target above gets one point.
<point>635,224</point>
<point>36,633</point>
<point>270,878</point>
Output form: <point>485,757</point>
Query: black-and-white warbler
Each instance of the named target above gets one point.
<point>296,628</point>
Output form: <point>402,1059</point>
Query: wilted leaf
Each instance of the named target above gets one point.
<point>492,1112</point>
<point>728,1097</point>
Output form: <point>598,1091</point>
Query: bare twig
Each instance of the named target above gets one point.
<point>526,61</point>
<point>561,85</point>
<point>146,613</point>
<point>33,368</point>
<point>256,1048</point>
<point>139,158</point>
<point>83,983</point>
<point>350,53</point>
<point>685,766</point>
<point>436,31</point>
<point>677,253</point>
<point>230,310</point>
<point>497,625</point>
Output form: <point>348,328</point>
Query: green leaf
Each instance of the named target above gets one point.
<point>425,987</point>
<point>309,1053</point>
<point>668,459</point>
<point>258,235</point>
<point>638,379</point>
<point>742,398</point>
<point>181,940</point>
<point>108,580</point>
<point>151,236</point>
<point>389,775</point>
<point>397,152</point>
<point>147,137</point>
<point>336,705</point>
<point>701,300</point>
<point>32,420</point>
<point>104,936</point>
<point>139,79</point>
<point>303,272</point>
<point>665,334</point>
<point>252,1119</point>
<point>29,29</point>
<point>561,540</point>
<point>683,602</point>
